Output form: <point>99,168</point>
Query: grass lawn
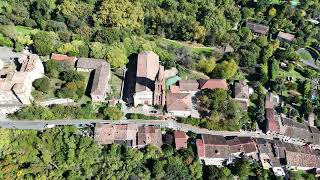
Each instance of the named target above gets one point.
<point>294,74</point>
<point>115,85</point>
<point>197,48</point>
<point>305,55</point>
<point>191,74</point>
<point>25,30</point>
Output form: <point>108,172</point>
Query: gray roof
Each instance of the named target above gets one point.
<point>101,74</point>
<point>188,85</point>
<point>241,90</point>
<point>89,63</point>
<point>100,80</point>
<point>258,28</point>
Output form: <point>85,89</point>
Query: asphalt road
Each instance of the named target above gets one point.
<point>41,125</point>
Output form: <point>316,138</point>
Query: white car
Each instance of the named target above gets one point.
<point>49,126</point>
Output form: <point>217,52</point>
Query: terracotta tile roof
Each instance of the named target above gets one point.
<point>296,130</point>
<point>62,57</point>
<point>217,151</point>
<point>179,102</point>
<point>273,124</point>
<point>241,90</point>
<point>149,135</point>
<point>213,84</point>
<point>147,70</point>
<point>188,85</point>
<point>200,147</point>
<point>242,144</point>
<point>174,89</point>
<point>28,62</point>
<point>257,28</point>
<point>213,139</point>
<point>286,36</point>
<point>243,104</point>
<point>108,133</point>
<point>180,139</point>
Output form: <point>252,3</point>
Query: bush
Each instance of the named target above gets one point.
<point>112,113</point>
<point>18,47</point>
<point>5,41</point>
<point>42,84</point>
<point>71,76</point>
<point>140,116</point>
<point>45,42</point>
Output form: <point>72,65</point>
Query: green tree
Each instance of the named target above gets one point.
<point>116,56</point>
<point>206,65</point>
<point>113,113</point>
<point>42,84</point>
<point>45,42</point>
<point>226,69</point>
<point>98,50</point>
<point>128,13</point>
<point>272,12</point>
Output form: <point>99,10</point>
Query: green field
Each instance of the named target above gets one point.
<point>25,30</point>
<point>197,48</point>
<point>115,85</point>
<point>305,55</point>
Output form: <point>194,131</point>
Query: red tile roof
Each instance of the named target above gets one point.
<point>174,89</point>
<point>179,101</point>
<point>180,139</point>
<point>200,147</point>
<point>61,57</point>
<point>213,84</point>
<point>273,125</point>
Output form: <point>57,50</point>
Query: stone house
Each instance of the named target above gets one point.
<point>258,29</point>
<point>179,104</point>
<point>18,84</point>
<point>150,82</point>
<point>285,37</point>
<point>101,76</point>
<point>241,93</point>
<point>180,140</point>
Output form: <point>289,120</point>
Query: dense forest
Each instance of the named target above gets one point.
<point>65,153</point>
<point>69,153</point>
<point>117,31</point>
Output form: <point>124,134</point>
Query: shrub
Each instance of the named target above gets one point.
<point>42,84</point>
<point>112,113</point>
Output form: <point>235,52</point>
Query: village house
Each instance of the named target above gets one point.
<point>63,57</point>
<point>150,82</point>
<point>18,84</point>
<point>213,84</point>
<point>272,121</point>
<point>285,37</point>
<point>258,29</point>
<point>131,135</point>
<point>188,86</point>
<point>180,140</point>
<point>101,77</point>
<point>149,135</point>
<point>179,104</point>
<point>219,151</point>
<point>241,94</point>
<point>295,131</point>
<point>118,134</point>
